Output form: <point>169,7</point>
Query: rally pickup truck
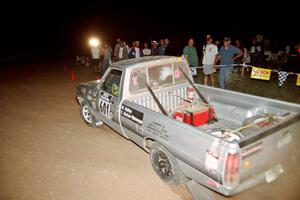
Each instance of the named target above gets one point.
<point>222,140</point>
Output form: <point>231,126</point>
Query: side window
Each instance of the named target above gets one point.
<point>178,75</point>
<point>137,80</point>
<point>112,81</point>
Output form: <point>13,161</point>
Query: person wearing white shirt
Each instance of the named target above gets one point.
<point>146,50</point>
<point>210,53</point>
<point>137,52</point>
<point>95,51</point>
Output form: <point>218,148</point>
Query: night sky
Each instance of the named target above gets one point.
<point>49,27</point>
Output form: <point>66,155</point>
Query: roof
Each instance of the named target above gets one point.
<point>143,60</point>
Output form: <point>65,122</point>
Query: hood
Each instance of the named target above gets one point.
<point>90,83</point>
<point>87,87</point>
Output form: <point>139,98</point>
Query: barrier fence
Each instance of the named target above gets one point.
<point>262,73</point>
<point>256,72</point>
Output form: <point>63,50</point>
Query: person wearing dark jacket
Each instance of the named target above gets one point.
<point>155,49</point>
<point>121,52</point>
<point>135,51</point>
<point>170,49</point>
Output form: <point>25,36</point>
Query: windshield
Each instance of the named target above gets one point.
<point>157,76</point>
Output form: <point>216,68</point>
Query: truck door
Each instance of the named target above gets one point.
<point>109,96</point>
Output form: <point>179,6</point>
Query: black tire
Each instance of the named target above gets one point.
<point>165,165</point>
<point>88,118</point>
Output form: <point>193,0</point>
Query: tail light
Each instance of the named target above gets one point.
<point>232,170</point>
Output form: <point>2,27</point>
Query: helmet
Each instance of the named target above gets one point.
<point>165,72</point>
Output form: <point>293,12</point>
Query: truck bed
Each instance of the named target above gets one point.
<point>231,111</point>
<point>265,151</point>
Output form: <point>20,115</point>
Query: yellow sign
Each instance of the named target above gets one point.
<point>261,73</point>
<point>298,80</point>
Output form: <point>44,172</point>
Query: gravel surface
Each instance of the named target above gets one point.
<point>47,151</point>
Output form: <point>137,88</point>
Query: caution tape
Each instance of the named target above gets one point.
<point>256,72</point>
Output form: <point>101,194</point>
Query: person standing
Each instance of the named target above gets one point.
<point>146,50</point>
<point>190,53</point>
<point>136,51</point>
<point>106,58</point>
<point>210,54</point>
<point>155,50</point>
<point>121,52</point>
<point>95,51</point>
<point>227,55</point>
<point>170,49</point>
<point>117,46</point>
<point>256,53</point>
<point>243,58</point>
<point>162,47</point>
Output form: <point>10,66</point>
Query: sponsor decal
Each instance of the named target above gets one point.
<point>158,129</point>
<point>132,114</point>
<point>261,73</point>
<point>104,104</point>
<point>298,80</point>
<point>177,73</point>
<point>246,152</point>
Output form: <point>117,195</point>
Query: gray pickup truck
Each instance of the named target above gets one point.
<point>223,140</point>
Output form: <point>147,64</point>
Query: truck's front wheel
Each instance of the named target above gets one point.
<point>87,117</point>
<point>165,165</point>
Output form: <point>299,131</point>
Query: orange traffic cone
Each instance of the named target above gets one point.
<point>73,76</point>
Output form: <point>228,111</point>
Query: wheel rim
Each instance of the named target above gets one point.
<point>163,164</point>
<point>86,114</point>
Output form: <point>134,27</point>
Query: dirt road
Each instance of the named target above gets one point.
<point>47,152</point>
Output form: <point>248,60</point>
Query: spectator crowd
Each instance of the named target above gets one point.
<point>225,53</point>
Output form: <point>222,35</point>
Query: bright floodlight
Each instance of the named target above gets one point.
<point>94,42</point>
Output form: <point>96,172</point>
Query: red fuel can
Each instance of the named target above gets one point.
<point>198,117</point>
<point>195,116</point>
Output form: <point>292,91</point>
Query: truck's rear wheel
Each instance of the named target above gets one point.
<point>87,117</point>
<point>165,165</point>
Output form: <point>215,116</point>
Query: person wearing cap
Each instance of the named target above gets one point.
<point>155,50</point>
<point>227,55</point>
<point>210,53</point>
<point>190,52</point>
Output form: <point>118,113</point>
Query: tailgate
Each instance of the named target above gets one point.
<point>267,155</point>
